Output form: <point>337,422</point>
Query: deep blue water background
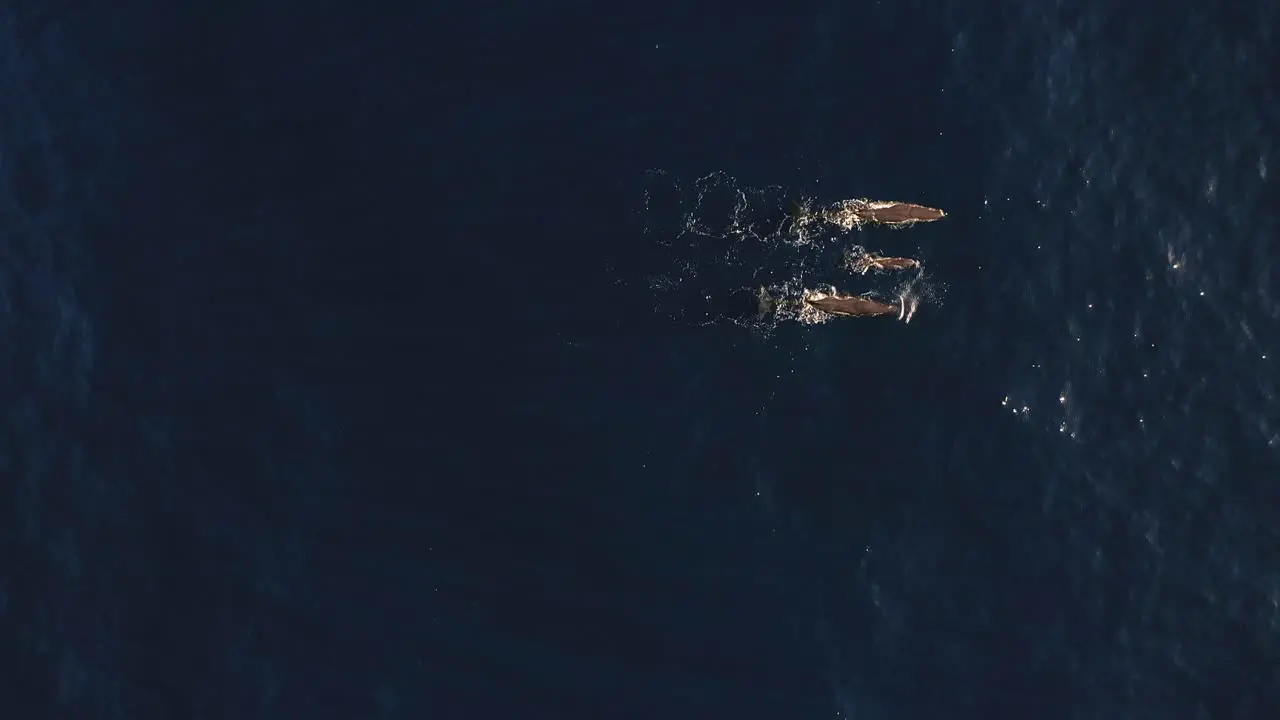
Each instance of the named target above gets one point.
<point>332,388</point>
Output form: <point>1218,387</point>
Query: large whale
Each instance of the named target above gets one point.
<point>851,305</point>
<point>849,214</point>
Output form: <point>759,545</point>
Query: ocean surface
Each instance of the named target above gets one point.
<point>393,362</point>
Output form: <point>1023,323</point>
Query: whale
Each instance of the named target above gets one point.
<point>861,264</point>
<point>848,214</point>
<point>851,305</point>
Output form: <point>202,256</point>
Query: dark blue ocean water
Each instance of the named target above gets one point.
<point>335,384</point>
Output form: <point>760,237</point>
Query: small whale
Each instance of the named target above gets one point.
<point>861,264</point>
<point>765,302</point>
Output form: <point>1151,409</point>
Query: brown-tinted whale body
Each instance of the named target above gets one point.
<point>897,213</point>
<point>851,305</point>
<point>849,214</point>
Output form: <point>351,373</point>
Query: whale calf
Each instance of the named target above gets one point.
<point>862,263</point>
